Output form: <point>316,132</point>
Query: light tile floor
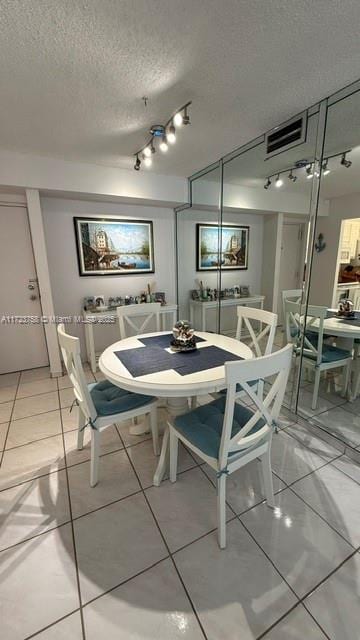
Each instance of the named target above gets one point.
<point>126,560</point>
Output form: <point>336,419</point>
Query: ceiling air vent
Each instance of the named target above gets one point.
<point>287,135</point>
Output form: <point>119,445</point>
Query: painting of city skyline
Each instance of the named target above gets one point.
<point>226,246</point>
<point>114,246</point>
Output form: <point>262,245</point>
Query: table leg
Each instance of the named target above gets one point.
<point>176,407</point>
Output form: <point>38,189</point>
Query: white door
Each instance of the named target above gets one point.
<point>291,267</point>
<point>22,346</point>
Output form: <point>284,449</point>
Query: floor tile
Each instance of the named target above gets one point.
<point>35,374</point>
<point>116,480</point>
<point>27,603</point>
<point>145,462</point>
<point>353,407</point>
<point>109,441</point>
<point>307,437</point>
<point>32,508</point>
<point>36,387</point>
<point>33,428</point>
<point>335,497</point>
<point>66,397</point>
<point>129,439</point>
<point>343,424</point>
<point>348,466</point>
<point>5,411</point>
<point>34,405</point>
<point>335,604</point>
<point>305,400</point>
<point>3,431</point>
<point>31,460</point>
<point>297,625</point>
<point>70,419</point>
<point>115,543</point>
<point>67,629</point>
<point>290,459</point>
<point>244,487</point>
<point>152,605</point>
<point>9,379</point>
<point>7,393</point>
<point>301,545</point>
<point>185,509</point>
<point>236,591</point>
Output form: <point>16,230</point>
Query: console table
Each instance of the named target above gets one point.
<point>204,305</point>
<point>98,317</point>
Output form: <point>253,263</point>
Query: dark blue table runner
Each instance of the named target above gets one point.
<point>163,341</point>
<point>146,360</point>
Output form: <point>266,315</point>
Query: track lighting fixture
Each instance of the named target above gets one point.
<point>267,183</point>
<point>164,134</point>
<point>325,167</point>
<point>278,181</point>
<point>291,176</point>
<point>344,162</point>
<point>309,172</point>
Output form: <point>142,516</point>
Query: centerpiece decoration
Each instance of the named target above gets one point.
<point>346,309</point>
<point>184,339</point>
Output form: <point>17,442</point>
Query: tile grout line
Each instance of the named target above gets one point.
<point>9,423</point>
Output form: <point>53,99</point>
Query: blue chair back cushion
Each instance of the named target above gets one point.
<point>203,426</point>
<point>110,399</point>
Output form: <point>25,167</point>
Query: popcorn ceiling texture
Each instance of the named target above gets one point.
<point>73,72</point>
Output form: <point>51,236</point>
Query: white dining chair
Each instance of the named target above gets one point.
<point>228,435</point>
<point>294,295</point>
<point>102,404</point>
<point>318,356</point>
<point>144,313</point>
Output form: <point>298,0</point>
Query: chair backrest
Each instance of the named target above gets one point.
<point>298,324</point>
<point>267,406</point>
<point>290,294</point>
<point>70,350</point>
<point>252,319</point>
<point>146,312</point>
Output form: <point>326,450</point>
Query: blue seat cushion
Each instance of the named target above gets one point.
<point>110,399</point>
<point>331,354</point>
<point>252,383</point>
<point>203,426</point>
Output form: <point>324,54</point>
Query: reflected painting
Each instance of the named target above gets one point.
<point>112,246</point>
<point>225,245</point>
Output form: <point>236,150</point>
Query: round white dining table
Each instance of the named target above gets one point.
<point>169,384</point>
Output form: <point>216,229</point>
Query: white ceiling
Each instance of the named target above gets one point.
<point>73,72</point>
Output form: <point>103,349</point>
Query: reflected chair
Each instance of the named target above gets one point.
<point>317,355</point>
<point>145,312</point>
<point>228,435</point>
<point>294,295</point>
<point>102,404</point>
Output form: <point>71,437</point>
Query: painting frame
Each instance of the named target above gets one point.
<point>240,263</point>
<point>96,259</point>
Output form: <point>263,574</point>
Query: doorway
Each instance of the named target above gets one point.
<point>22,343</point>
<point>291,260</point>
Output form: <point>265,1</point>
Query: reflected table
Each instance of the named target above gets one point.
<point>168,383</point>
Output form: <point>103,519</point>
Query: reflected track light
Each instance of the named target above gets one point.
<point>178,119</point>
<point>147,161</point>
<point>278,181</point>
<point>267,184</point>
<point>309,171</point>
<point>344,162</point>
<point>163,146</point>
<point>147,151</point>
<point>292,177</point>
<point>137,164</point>
<point>171,137</point>
<point>325,167</point>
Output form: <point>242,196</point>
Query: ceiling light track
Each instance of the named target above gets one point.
<point>309,169</point>
<point>162,136</point>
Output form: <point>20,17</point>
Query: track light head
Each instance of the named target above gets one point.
<point>309,172</point>
<point>148,161</point>
<point>171,137</point>
<point>291,176</point>
<point>278,182</point>
<point>147,151</point>
<point>186,117</point>
<point>163,146</point>
<point>137,164</point>
<point>267,183</point>
<point>344,162</point>
<point>178,119</point>
<point>325,167</point>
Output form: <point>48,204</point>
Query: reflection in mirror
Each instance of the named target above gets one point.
<point>332,398</point>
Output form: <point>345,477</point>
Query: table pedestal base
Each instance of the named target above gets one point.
<point>176,407</point>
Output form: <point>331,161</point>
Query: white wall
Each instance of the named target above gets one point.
<point>271,260</point>
<point>188,276</point>
<point>69,289</point>
<point>324,270</point>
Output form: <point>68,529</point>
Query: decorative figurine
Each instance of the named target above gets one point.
<point>346,309</point>
<point>184,339</point>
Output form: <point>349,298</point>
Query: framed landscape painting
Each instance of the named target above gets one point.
<point>114,246</point>
<point>226,246</point>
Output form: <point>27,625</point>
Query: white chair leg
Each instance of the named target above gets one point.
<point>267,477</point>
<point>154,430</point>
<point>174,446</point>
<point>221,509</point>
<point>95,452</point>
<point>81,430</point>
<point>316,389</point>
<point>347,380</point>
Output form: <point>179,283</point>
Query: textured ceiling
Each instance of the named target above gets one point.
<point>73,72</point>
